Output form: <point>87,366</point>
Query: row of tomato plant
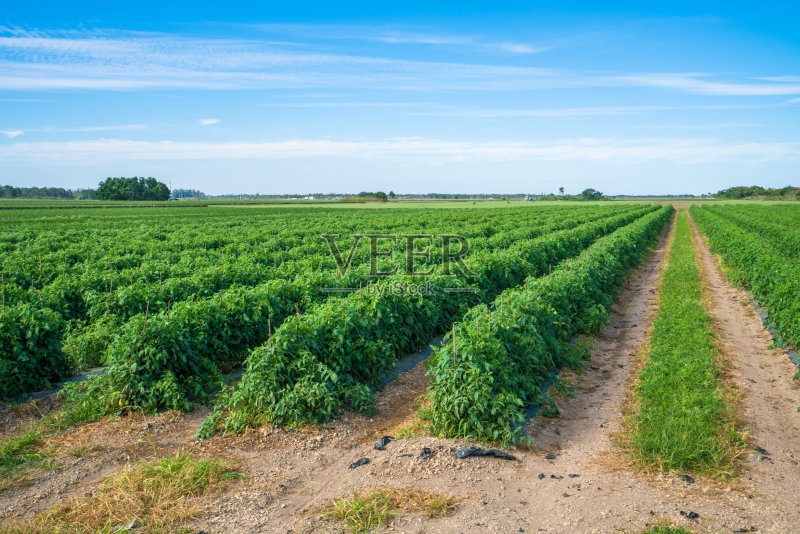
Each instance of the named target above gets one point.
<point>770,227</point>
<point>38,255</point>
<point>493,365</point>
<point>756,261</point>
<point>102,288</point>
<point>140,367</point>
<point>327,359</point>
<point>111,312</point>
<point>107,312</point>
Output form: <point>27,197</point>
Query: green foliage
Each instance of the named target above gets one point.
<point>740,192</point>
<point>30,344</point>
<point>88,346</point>
<point>20,453</point>
<point>132,189</point>
<point>681,412</point>
<point>9,191</point>
<point>761,256</point>
<point>591,194</point>
<point>505,353</point>
<point>98,273</point>
<point>168,359</point>
<point>327,359</point>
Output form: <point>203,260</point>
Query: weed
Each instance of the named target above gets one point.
<point>158,497</point>
<point>84,450</point>
<point>682,422</point>
<point>363,513</point>
<point>21,453</point>
<point>663,528</point>
<point>412,431</point>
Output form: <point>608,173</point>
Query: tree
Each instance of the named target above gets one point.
<point>391,194</point>
<point>591,194</point>
<point>187,193</point>
<point>132,189</point>
<point>9,191</point>
<point>561,190</point>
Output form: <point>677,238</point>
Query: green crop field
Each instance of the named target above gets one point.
<point>761,246</point>
<point>167,300</point>
<point>294,317</point>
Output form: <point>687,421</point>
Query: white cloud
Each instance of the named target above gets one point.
<point>133,61</point>
<point>793,101</point>
<point>11,134</point>
<point>97,128</point>
<point>786,79</point>
<point>519,48</point>
<point>394,36</point>
<point>694,83</point>
<point>346,105</point>
<point>601,111</point>
<point>596,150</point>
<point>420,38</point>
<point>207,122</point>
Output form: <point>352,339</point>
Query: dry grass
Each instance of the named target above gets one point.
<point>364,512</point>
<point>154,497</point>
<point>81,451</point>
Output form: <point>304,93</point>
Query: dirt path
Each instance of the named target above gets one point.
<point>292,474</point>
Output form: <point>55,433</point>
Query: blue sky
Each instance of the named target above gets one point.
<point>417,97</point>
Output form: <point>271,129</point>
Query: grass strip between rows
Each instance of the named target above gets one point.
<point>682,421</point>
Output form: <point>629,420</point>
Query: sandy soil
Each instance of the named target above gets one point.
<point>565,484</point>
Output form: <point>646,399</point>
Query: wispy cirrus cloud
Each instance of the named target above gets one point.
<point>395,37</point>
<point>519,48</point>
<point>11,134</point>
<point>599,111</point>
<point>785,79</point>
<point>207,122</point>
<point>597,150</point>
<point>462,40</point>
<point>700,83</point>
<point>109,128</point>
<point>155,61</point>
<point>391,35</point>
<point>124,61</point>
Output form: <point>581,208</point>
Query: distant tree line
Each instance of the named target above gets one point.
<point>586,194</point>
<point>9,191</point>
<point>187,193</point>
<point>754,191</point>
<point>110,189</point>
<point>135,188</point>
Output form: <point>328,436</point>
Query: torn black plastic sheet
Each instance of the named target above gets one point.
<point>478,451</point>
